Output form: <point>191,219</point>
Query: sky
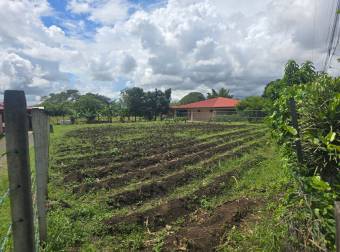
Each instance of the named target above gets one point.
<point>104,46</point>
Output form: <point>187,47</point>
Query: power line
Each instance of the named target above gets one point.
<point>332,32</point>
<point>314,21</point>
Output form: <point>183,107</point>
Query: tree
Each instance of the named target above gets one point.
<point>89,106</point>
<point>307,72</point>
<point>164,99</point>
<point>253,103</point>
<point>110,110</point>
<point>294,74</point>
<point>213,94</point>
<point>60,104</point>
<point>192,97</point>
<point>253,107</point>
<point>223,92</point>
<point>149,104</point>
<point>133,99</point>
<point>102,98</point>
<point>273,89</point>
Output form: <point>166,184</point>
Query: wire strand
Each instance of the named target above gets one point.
<point>3,197</point>
<point>6,238</point>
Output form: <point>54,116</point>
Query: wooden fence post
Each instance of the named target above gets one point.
<point>19,172</point>
<point>41,139</point>
<point>337,229</point>
<point>298,147</point>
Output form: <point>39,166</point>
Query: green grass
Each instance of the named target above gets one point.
<point>80,225</point>
<point>266,229</point>
<point>5,217</point>
<point>76,222</point>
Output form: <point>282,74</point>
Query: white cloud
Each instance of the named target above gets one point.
<point>184,44</point>
<point>103,11</point>
<point>79,6</point>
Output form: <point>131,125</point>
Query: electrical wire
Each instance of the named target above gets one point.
<point>332,33</point>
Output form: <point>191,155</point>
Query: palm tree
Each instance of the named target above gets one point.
<point>223,92</point>
<point>307,72</point>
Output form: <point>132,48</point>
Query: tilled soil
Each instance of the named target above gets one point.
<point>161,169</point>
<point>165,185</point>
<point>140,154</point>
<point>157,217</point>
<point>205,233</point>
<point>147,171</point>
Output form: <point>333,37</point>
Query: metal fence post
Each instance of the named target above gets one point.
<point>19,172</point>
<point>41,139</point>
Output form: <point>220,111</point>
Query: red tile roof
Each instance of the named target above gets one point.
<point>2,107</point>
<point>219,102</point>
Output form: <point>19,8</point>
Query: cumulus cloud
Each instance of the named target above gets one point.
<point>30,53</point>
<point>103,11</point>
<point>185,45</point>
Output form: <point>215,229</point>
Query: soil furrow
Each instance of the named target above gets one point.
<point>158,170</point>
<point>166,154</point>
<point>168,184</point>
<point>206,234</point>
<point>136,151</point>
<point>104,138</point>
<point>157,217</point>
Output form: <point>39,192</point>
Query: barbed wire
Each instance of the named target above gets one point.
<point>4,196</point>
<point>35,212</point>
<point>6,238</point>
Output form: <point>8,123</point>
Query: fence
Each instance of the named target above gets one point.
<point>27,190</point>
<point>222,115</point>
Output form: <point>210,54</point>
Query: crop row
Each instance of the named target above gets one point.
<point>157,217</point>
<point>149,156</point>
<point>124,174</point>
<point>89,139</point>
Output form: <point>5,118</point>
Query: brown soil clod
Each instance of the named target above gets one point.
<point>206,235</point>
<point>158,217</point>
<point>161,169</point>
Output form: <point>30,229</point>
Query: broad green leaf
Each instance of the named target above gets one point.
<point>316,141</point>
<point>319,184</point>
<point>290,129</point>
<point>332,136</point>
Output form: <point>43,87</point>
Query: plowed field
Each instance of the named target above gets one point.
<point>145,187</point>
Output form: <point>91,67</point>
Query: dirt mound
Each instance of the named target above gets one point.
<point>205,234</point>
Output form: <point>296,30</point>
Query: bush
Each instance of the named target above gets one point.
<point>318,104</point>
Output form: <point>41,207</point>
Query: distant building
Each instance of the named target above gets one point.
<point>2,117</point>
<point>205,110</point>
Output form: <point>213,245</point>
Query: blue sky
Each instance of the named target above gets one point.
<point>63,14</point>
<point>104,46</point>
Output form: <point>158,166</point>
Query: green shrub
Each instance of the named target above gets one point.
<point>318,107</point>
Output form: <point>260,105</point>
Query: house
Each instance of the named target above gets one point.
<point>2,117</point>
<point>206,110</point>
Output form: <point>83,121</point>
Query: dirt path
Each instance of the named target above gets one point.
<point>3,149</point>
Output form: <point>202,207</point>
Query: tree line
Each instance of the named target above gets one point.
<point>134,102</point>
<point>197,96</point>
